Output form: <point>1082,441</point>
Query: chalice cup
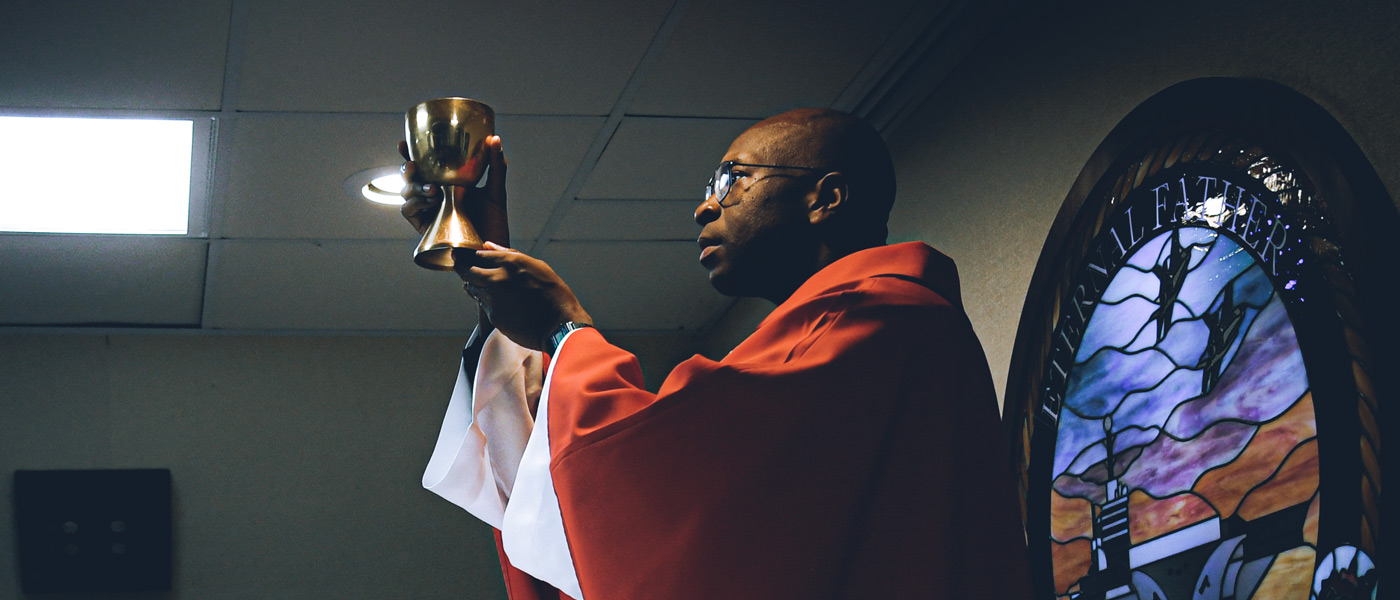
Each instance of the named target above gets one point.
<point>447,141</point>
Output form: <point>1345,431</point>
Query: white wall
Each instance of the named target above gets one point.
<point>985,163</point>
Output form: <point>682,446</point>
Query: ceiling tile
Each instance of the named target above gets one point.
<point>135,54</point>
<point>332,285</point>
<point>287,177</point>
<point>661,158</point>
<point>544,154</point>
<point>97,279</point>
<point>318,152</point>
<point>638,285</point>
<point>672,220</point>
<point>732,58</point>
<point>524,57</point>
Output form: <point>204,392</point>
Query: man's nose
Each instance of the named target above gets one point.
<point>708,211</point>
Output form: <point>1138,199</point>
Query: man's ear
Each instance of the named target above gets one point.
<point>831,194</point>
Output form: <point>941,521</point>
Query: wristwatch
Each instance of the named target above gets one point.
<point>550,343</point>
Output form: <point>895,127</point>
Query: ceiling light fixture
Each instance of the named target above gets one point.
<point>96,175</point>
<point>381,185</point>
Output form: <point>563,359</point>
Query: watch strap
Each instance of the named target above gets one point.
<point>554,338</point>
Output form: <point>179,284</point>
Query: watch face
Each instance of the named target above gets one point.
<point>1177,444</point>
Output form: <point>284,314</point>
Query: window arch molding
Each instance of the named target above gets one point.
<point>1345,323</point>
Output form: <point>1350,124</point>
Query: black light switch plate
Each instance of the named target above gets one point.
<point>93,530</point>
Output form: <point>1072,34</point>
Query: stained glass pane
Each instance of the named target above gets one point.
<point>1185,464</point>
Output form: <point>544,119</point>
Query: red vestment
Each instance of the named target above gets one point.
<point>849,448</point>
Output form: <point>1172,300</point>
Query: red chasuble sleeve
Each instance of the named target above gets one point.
<point>850,448</point>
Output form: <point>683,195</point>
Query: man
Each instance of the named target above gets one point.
<point>849,448</point>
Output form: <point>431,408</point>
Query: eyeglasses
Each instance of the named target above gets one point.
<point>723,179</point>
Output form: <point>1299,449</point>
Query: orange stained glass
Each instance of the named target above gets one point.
<point>1294,483</point>
<point>1153,518</point>
<point>1226,486</point>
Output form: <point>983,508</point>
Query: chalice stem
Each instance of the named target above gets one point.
<point>450,230</point>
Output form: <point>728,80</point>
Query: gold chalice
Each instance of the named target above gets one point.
<point>447,142</point>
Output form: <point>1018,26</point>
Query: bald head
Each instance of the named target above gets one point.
<point>837,141</point>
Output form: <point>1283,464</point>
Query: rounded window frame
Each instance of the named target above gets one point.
<point>1347,329</point>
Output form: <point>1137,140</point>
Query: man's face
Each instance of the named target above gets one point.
<point>754,245</point>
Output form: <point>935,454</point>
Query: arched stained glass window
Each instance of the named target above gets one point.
<point>1192,394</point>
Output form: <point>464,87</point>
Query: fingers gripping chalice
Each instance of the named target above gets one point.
<point>447,143</point>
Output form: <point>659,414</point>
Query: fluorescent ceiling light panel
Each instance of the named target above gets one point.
<point>85,175</point>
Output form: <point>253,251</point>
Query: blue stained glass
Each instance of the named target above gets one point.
<point>1197,255</point>
<point>1183,342</point>
<point>1076,434</point>
<point>1225,262</point>
<point>1098,385</point>
<point>1094,454</point>
<point>1152,408</point>
<point>1181,311</point>
<point>1130,281</point>
<point>1135,309</point>
<point>1147,255</point>
<point>1197,236</point>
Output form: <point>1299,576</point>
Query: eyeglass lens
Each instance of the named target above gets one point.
<point>719,184</point>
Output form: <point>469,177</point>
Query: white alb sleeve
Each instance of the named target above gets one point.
<point>486,427</point>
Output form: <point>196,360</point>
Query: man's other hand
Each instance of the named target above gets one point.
<point>521,295</point>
